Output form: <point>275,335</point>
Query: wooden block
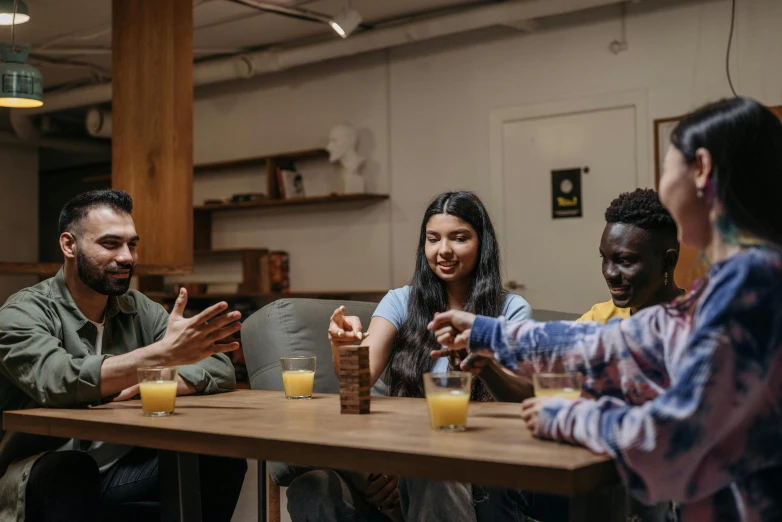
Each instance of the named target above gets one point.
<point>354,378</point>
<point>349,387</point>
<point>355,410</point>
<point>355,402</point>
<point>354,351</point>
<point>349,395</point>
<point>348,372</point>
<point>353,365</point>
<point>352,395</point>
<point>353,373</point>
<point>353,360</point>
<point>354,384</point>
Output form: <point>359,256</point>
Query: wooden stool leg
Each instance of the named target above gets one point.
<point>273,497</point>
<point>268,495</point>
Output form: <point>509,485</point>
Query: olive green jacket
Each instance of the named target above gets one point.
<point>48,359</point>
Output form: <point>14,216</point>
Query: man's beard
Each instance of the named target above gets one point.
<point>98,280</point>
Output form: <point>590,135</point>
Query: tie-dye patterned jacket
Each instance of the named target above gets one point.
<point>690,403</point>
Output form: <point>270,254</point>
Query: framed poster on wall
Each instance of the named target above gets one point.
<point>662,138</point>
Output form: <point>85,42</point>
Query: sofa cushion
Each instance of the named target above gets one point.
<point>296,327</point>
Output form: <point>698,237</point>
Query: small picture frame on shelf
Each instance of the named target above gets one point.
<point>291,184</point>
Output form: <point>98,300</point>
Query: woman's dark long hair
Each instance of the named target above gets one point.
<point>744,139</point>
<point>410,358</point>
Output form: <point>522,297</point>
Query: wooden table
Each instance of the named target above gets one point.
<point>395,438</point>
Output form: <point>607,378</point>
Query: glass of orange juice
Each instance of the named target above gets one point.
<point>158,390</point>
<point>447,395</point>
<point>298,376</point>
<point>565,385</point>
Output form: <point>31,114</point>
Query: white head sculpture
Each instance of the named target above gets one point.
<point>342,147</point>
<point>342,139</point>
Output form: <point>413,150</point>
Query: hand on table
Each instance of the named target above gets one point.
<point>382,491</point>
<point>183,388</point>
<point>530,410</point>
<point>344,330</point>
<point>127,393</point>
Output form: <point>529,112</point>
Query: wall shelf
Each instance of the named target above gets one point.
<point>276,203</point>
<point>260,160</point>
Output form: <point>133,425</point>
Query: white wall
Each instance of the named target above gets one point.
<point>18,213</point>
<point>329,249</point>
<point>425,109</point>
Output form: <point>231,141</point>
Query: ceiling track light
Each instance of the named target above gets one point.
<point>7,12</point>
<point>344,23</point>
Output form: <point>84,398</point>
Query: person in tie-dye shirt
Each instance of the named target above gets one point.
<point>690,394</point>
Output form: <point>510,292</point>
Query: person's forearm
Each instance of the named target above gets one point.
<point>184,388</point>
<point>120,372</point>
<point>504,385</point>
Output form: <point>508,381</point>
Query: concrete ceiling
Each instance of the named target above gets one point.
<point>71,39</point>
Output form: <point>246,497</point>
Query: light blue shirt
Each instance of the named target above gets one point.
<point>393,308</point>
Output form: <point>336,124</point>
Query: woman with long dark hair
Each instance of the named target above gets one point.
<point>457,267</point>
<point>700,379</point>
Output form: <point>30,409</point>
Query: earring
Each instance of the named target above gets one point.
<point>699,193</point>
<point>666,279</point>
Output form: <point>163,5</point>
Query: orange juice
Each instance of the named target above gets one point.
<point>448,409</point>
<point>564,393</point>
<point>158,397</point>
<point>298,383</point>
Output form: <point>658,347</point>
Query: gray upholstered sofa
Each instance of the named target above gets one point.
<point>290,327</point>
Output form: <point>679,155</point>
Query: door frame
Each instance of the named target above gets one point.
<point>637,99</point>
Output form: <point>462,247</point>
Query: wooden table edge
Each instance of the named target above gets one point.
<point>568,482</point>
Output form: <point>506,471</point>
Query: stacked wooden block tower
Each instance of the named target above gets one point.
<point>354,379</point>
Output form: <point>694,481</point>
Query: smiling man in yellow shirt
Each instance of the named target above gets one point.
<point>639,249</point>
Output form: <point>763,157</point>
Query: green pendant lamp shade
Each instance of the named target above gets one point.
<point>7,12</point>
<point>21,85</point>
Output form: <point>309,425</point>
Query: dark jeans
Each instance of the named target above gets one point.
<point>320,495</point>
<point>66,486</point>
<point>432,501</point>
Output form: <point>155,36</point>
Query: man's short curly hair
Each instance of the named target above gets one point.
<point>642,208</point>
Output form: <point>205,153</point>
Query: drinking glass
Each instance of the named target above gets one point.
<point>447,395</point>
<point>565,385</point>
<point>158,386</point>
<point>298,376</point>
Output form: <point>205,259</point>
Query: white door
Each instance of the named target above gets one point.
<point>556,262</point>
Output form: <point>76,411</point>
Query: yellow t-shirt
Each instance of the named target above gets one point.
<point>602,312</point>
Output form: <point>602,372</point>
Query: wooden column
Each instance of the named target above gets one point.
<point>152,135</point>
